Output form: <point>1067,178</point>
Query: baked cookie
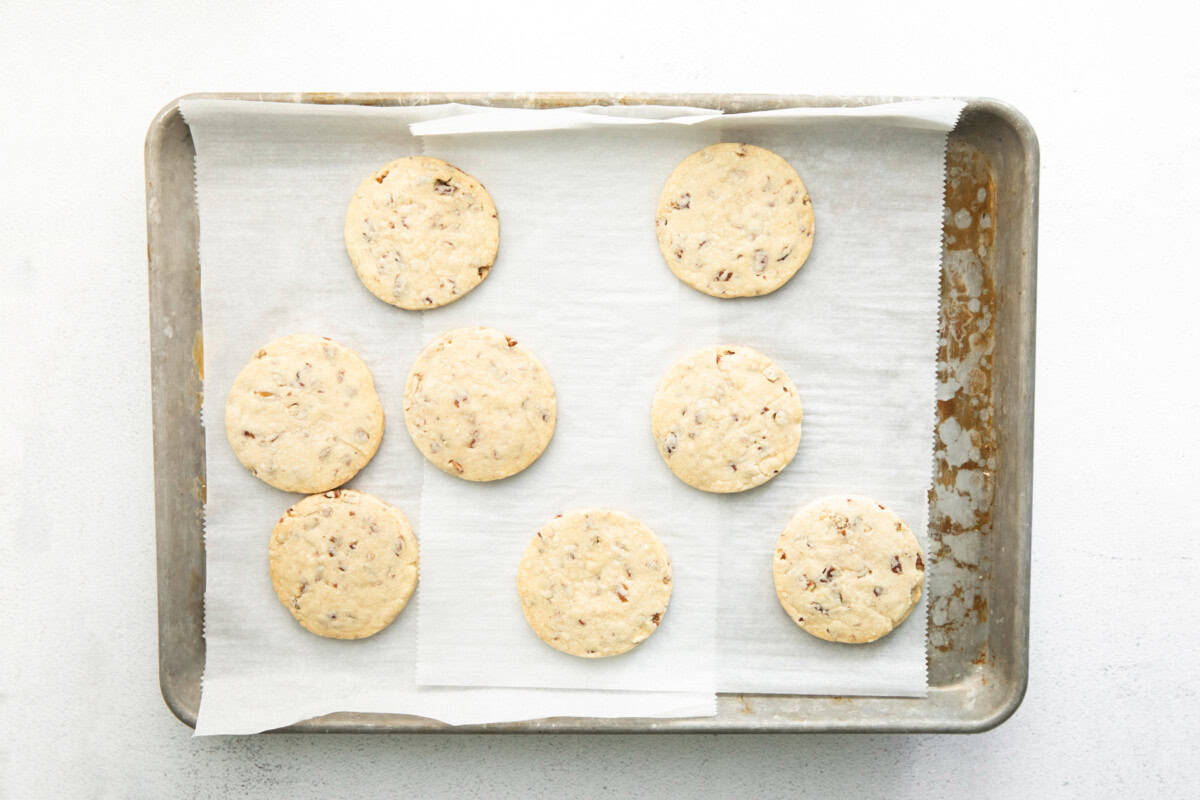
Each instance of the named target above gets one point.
<point>344,563</point>
<point>421,233</point>
<point>734,220</point>
<point>303,414</point>
<point>847,569</point>
<point>594,583</point>
<point>726,419</point>
<point>479,405</point>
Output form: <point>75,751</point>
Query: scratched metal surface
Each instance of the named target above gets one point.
<point>978,580</point>
<point>960,500</point>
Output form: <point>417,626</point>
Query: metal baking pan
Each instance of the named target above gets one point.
<point>978,581</point>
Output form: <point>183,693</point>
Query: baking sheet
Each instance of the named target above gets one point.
<point>278,154</point>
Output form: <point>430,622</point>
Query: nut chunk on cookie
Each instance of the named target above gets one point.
<point>421,233</point>
<point>594,583</point>
<point>303,415</point>
<point>726,419</point>
<point>734,220</point>
<point>847,569</point>
<point>344,563</point>
<point>479,405</point>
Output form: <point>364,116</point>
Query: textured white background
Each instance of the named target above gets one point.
<point>1114,554</point>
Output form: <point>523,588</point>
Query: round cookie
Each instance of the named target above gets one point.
<point>847,569</point>
<point>734,220</point>
<point>479,405</point>
<point>421,233</point>
<point>344,563</point>
<point>594,583</point>
<point>726,419</point>
<point>303,414</point>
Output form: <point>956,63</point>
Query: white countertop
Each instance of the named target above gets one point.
<point>1110,709</point>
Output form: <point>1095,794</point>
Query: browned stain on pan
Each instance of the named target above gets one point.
<point>198,355</point>
<point>198,363</point>
<point>960,500</point>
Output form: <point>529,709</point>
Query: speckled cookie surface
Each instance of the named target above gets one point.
<point>303,414</point>
<point>421,233</point>
<point>594,583</point>
<point>344,563</point>
<point>479,405</point>
<point>734,220</point>
<point>847,569</point>
<point>726,419</point>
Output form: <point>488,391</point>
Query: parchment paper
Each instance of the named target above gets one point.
<point>273,182</point>
<point>580,281</point>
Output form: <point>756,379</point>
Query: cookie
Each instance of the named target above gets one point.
<point>344,563</point>
<point>421,233</point>
<point>734,220</point>
<point>847,569</point>
<point>726,419</point>
<point>479,405</point>
<point>594,583</point>
<point>303,414</point>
